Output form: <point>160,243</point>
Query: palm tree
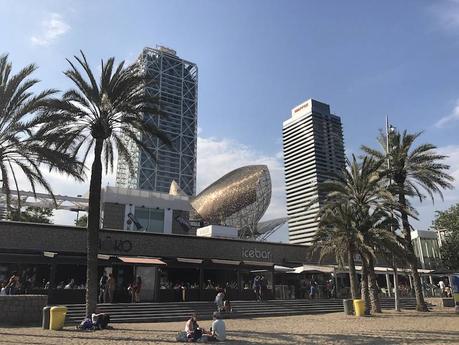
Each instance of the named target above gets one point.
<point>414,171</point>
<point>21,149</point>
<point>376,238</point>
<point>101,116</point>
<point>336,236</point>
<point>368,202</point>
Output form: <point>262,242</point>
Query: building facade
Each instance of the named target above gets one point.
<point>426,248</point>
<point>176,86</point>
<point>145,211</point>
<point>313,153</point>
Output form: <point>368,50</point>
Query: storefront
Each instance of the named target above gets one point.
<point>172,267</point>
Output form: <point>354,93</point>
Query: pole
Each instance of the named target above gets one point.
<point>394,264</point>
<point>389,287</point>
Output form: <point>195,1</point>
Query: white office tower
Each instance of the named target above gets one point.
<point>313,152</point>
<point>177,87</point>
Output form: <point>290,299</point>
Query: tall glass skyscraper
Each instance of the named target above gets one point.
<point>313,152</point>
<point>177,88</point>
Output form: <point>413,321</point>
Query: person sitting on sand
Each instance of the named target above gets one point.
<point>193,332</point>
<point>218,329</point>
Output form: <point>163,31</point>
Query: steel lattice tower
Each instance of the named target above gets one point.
<point>177,89</point>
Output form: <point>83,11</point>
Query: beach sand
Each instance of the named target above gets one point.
<point>407,327</point>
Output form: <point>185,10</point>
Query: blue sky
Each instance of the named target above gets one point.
<point>258,59</point>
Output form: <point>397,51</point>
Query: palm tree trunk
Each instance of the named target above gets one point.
<point>352,274</point>
<point>6,189</point>
<point>420,303</point>
<point>373,287</point>
<point>19,214</point>
<point>93,229</point>
<point>364,286</point>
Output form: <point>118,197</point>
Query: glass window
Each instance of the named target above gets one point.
<point>152,220</point>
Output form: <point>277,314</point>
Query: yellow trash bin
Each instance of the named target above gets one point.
<point>359,307</point>
<point>456,297</point>
<point>57,318</point>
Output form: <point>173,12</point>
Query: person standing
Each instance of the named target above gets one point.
<point>441,285</point>
<point>12,287</point>
<point>263,287</point>
<point>102,287</point>
<point>110,288</point>
<point>219,300</point>
<point>136,289</point>
<point>257,287</point>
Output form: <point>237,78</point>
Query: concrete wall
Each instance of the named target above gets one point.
<point>113,215</point>
<point>22,310</point>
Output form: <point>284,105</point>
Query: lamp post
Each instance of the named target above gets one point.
<point>389,130</point>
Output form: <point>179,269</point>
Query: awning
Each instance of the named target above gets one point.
<point>259,263</point>
<point>314,269</point>
<point>226,262</point>
<point>103,257</point>
<point>278,268</point>
<point>141,260</point>
<point>190,261</point>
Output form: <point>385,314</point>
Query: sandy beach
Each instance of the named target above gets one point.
<point>407,327</point>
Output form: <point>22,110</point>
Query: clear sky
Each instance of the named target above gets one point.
<point>258,59</point>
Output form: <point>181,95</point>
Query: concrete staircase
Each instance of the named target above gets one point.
<point>179,311</point>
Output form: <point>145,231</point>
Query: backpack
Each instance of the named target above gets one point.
<point>103,321</point>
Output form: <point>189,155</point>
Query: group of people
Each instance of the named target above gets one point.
<point>216,332</point>
<point>445,289</point>
<point>97,321</point>
<point>107,289</point>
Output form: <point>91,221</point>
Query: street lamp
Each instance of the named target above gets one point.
<point>391,130</point>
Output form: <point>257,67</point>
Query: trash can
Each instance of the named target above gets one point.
<point>45,319</point>
<point>57,317</point>
<point>347,304</point>
<point>359,307</point>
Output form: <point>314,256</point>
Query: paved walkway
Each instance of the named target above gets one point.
<point>408,327</point>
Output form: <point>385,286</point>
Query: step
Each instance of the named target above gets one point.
<point>179,311</point>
